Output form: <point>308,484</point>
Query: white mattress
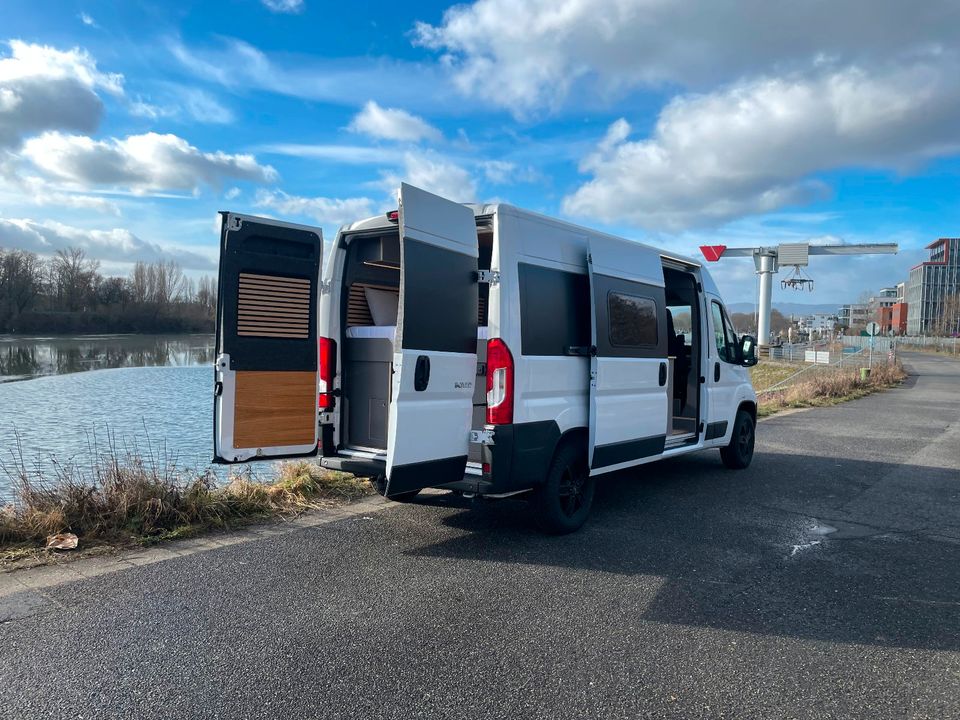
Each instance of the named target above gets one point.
<point>389,331</point>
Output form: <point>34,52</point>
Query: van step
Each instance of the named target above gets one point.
<point>362,467</point>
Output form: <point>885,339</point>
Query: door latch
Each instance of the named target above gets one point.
<point>490,277</point>
<point>481,437</point>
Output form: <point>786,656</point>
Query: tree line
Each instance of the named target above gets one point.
<point>67,293</point>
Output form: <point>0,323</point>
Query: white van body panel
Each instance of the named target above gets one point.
<point>549,389</point>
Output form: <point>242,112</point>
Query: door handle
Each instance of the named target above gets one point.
<point>663,374</point>
<point>716,372</point>
<point>421,373</point>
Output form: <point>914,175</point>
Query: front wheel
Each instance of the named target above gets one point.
<point>562,503</point>
<point>738,454</point>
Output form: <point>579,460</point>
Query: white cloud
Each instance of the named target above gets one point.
<point>498,172</point>
<point>36,191</point>
<point>537,51</point>
<point>141,163</point>
<point>332,211</point>
<point>756,146</point>
<point>87,20</point>
<point>284,6</point>
<point>346,154</point>
<point>392,124</point>
<point>433,173</point>
<point>505,172</point>
<point>232,194</point>
<point>177,102</point>
<point>344,81</point>
<point>42,88</point>
<point>115,245</point>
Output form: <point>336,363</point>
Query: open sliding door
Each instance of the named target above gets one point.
<point>266,345</point>
<point>628,369</point>
<point>435,351</point>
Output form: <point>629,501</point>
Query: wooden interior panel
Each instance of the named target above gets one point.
<point>275,409</point>
<point>273,306</point>
<point>358,312</point>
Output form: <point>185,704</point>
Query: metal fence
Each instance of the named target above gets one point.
<point>837,360</point>
<point>883,344</point>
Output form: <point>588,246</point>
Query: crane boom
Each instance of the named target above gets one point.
<point>767,260</point>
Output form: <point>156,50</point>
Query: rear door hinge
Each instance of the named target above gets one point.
<point>491,277</point>
<point>324,286</point>
<point>481,437</point>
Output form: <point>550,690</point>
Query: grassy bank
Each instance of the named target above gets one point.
<point>828,387</point>
<point>125,501</point>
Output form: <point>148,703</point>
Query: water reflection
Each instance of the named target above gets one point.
<point>27,357</point>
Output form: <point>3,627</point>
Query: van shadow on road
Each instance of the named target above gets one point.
<point>799,546</point>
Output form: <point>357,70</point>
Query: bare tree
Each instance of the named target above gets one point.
<point>74,278</point>
<point>948,323</point>
<point>206,296</point>
<point>21,281</point>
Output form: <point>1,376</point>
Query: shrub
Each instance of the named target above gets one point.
<point>124,497</point>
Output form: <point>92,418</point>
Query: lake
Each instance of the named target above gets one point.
<point>70,398</point>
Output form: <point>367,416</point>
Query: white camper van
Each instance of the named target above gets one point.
<point>479,348</point>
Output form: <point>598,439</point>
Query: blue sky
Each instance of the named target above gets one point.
<point>124,127</point>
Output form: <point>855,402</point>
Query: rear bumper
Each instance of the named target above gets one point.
<point>518,459</point>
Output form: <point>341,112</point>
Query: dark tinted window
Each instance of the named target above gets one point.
<point>554,310</point>
<point>632,320</point>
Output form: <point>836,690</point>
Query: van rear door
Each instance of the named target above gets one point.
<point>435,351</point>
<point>628,367</point>
<point>265,388</point>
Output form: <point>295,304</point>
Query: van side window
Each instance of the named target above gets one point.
<point>724,336</point>
<point>632,320</point>
<point>554,310</point>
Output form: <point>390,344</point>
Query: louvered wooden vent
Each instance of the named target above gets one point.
<point>273,306</point>
<point>358,312</point>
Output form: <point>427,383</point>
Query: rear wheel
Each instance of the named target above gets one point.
<point>380,485</point>
<point>738,454</point>
<point>561,505</point>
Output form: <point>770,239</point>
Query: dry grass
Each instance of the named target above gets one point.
<point>831,386</point>
<point>769,372</point>
<point>126,499</point>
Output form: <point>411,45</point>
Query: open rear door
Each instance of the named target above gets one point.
<point>266,373</point>
<point>435,352</point>
<point>628,370</point>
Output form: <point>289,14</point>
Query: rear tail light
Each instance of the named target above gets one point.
<point>327,359</point>
<point>499,383</point>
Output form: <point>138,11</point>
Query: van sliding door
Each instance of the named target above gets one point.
<point>265,389</point>
<point>435,351</point>
<point>628,370</point>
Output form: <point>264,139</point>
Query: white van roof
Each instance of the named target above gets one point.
<point>380,222</point>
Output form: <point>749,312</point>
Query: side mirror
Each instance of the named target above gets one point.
<point>748,351</point>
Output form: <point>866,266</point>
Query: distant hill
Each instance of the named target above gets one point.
<point>788,308</point>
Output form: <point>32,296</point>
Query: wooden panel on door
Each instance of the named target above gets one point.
<point>275,409</point>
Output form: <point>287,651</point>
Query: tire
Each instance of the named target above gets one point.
<point>380,485</point>
<point>561,505</point>
<point>738,454</point>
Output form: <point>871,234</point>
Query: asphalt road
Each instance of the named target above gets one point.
<point>822,582</point>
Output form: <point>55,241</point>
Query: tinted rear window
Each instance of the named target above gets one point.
<point>554,310</point>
